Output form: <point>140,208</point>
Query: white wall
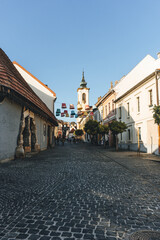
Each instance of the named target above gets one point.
<point>44,94</point>
<point>10,115</point>
<point>80,92</point>
<point>42,139</point>
<point>143,118</point>
<point>143,69</point>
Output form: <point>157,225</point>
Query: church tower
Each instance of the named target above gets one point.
<point>83,95</point>
<point>83,98</point>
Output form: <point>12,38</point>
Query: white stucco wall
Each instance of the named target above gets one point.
<point>80,92</point>
<point>142,119</point>
<point>44,94</point>
<point>143,69</point>
<point>10,115</point>
<point>42,139</point>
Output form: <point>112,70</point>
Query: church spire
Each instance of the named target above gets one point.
<point>83,83</point>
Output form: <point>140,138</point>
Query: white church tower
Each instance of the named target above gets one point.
<point>83,97</point>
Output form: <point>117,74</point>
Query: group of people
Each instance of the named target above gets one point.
<point>61,140</point>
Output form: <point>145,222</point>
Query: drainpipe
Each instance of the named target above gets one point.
<point>157,94</point>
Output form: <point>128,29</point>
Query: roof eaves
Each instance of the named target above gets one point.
<point>137,85</point>
<point>15,63</point>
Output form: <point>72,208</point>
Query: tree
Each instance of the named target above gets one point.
<point>79,132</point>
<point>103,129</point>
<point>117,127</point>
<point>91,127</point>
<point>156,114</point>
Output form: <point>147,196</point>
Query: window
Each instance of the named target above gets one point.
<point>84,98</point>
<point>150,98</point>
<point>139,132</point>
<point>44,129</point>
<point>138,104</point>
<point>120,113</point>
<point>113,105</point>
<point>109,107</point>
<point>106,110</point>
<point>129,134</point>
<point>128,110</point>
<point>102,114</point>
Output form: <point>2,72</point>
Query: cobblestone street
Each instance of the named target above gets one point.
<point>78,192</point>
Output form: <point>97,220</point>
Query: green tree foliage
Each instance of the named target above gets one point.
<point>117,127</point>
<point>79,132</point>
<point>103,129</point>
<point>91,127</point>
<point>156,114</point>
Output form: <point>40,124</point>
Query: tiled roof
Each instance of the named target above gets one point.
<point>11,79</point>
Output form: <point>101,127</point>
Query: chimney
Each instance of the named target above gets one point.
<point>99,98</point>
<point>158,54</point>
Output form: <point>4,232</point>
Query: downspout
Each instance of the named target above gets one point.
<point>157,95</point>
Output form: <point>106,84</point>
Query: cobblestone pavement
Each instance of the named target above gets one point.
<point>78,192</point>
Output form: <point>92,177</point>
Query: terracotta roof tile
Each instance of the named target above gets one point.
<point>11,78</point>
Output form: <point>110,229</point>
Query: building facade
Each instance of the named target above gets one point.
<point>26,122</point>
<point>136,94</point>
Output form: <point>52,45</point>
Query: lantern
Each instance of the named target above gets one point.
<point>71,106</point>
<point>62,114</point>
<point>76,115</point>
<point>91,114</point>
<point>64,105</point>
<point>57,114</point>
<point>79,106</point>
<point>67,115</point>
<point>85,114</point>
<point>65,111</point>
<point>87,107</point>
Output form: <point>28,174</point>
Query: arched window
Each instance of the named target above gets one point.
<point>84,98</point>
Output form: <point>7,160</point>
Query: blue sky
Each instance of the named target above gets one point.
<point>56,39</point>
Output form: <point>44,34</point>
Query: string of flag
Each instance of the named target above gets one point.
<point>63,112</point>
